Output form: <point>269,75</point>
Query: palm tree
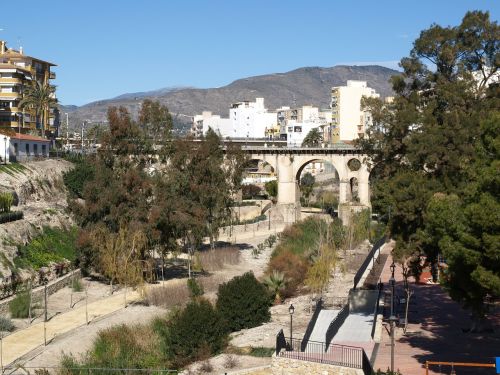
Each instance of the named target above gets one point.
<point>276,283</point>
<point>40,97</point>
<point>313,138</point>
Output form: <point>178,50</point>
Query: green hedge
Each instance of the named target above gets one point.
<point>6,217</point>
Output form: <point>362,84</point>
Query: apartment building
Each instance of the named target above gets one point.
<point>296,123</point>
<point>201,124</point>
<point>349,121</point>
<point>251,119</point>
<point>17,70</point>
<point>246,120</point>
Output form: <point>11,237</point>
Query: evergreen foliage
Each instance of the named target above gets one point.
<point>437,156</point>
<point>196,332</point>
<point>243,302</point>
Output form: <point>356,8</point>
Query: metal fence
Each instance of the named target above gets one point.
<point>377,306</point>
<point>369,258</point>
<point>312,323</point>
<point>320,352</point>
<point>336,323</point>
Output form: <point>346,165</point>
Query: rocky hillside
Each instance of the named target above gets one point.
<point>42,198</point>
<point>309,85</point>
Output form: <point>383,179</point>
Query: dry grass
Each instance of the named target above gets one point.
<point>211,283</point>
<point>169,295</point>
<point>214,260</point>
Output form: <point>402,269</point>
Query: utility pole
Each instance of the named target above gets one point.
<point>392,318</point>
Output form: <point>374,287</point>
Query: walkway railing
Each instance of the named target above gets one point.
<point>336,324</point>
<point>369,258</point>
<point>312,323</point>
<point>321,352</point>
<point>377,306</point>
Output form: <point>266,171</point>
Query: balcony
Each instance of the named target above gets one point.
<point>52,75</point>
<point>10,80</point>
<point>9,95</point>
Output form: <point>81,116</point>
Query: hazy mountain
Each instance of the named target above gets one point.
<point>310,85</point>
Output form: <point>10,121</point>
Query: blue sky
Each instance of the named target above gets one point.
<point>104,48</point>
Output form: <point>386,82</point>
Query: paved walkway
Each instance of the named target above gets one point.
<point>434,334</point>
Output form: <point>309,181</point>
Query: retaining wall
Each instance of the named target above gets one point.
<point>287,366</point>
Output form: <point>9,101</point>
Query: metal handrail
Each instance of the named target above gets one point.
<point>312,323</point>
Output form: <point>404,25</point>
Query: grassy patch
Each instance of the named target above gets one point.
<point>262,352</point>
<point>13,168</point>
<point>53,245</point>
<point>19,306</point>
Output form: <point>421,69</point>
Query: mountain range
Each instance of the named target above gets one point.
<point>308,85</point>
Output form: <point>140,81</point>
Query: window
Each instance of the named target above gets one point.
<point>27,149</point>
<point>290,129</point>
<point>298,129</point>
<point>16,149</point>
<point>35,149</point>
<point>44,150</point>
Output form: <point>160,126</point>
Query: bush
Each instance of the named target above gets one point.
<point>215,260</point>
<point>250,191</point>
<point>19,306</point>
<point>121,346</point>
<point>76,178</point>
<point>230,361</point>
<point>76,285</point>
<point>244,302</point>
<point>6,324</point>
<point>6,200</point>
<point>272,188</point>
<point>193,333</point>
<point>6,217</point>
<point>195,288</point>
<point>53,245</point>
<point>293,267</point>
<point>168,295</point>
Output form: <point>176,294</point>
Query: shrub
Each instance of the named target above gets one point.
<point>19,306</point>
<point>76,178</point>
<point>6,324</point>
<point>121,346</point>
<point>272,188</point>
<point>195,288</point>
<point>293,267</point>
<point>6,200</point>
<point>53,245</point>
<point>6,217</point>
<point>244,302</point>
<point>76,285</point>
<point>192,333</point>
<point>206,367</point>
<point>168,295</point>
<point>230,361</point>
<point>215,260</point>
<point>250,191</point>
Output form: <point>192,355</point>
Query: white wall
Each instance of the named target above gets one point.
<point>250,119</point>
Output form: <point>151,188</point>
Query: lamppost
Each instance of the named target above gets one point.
<point>5,149</point>
<point>392,318</point>
<point>45,282</point>
<point>291,310</point>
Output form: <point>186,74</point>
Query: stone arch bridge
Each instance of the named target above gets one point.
<point>288,164</point>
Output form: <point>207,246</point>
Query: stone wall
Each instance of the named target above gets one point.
<point>38,293</point>
<point>287,366</point>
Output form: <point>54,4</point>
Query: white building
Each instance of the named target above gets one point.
<point>246,120</point>
<point>296,123</point>
<point>251,119</point>
<point>349,122</point>
<point>201,124</point>
<point>21,147</point>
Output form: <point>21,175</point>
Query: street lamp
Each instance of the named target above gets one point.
<point>291,310</point>
<point>5,149</point>
<point>392,318</point>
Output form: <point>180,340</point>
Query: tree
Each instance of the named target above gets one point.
<point>272,188</point>
<point>313,138</point>
<point>433,148</point>
<point>250,191</point>
<point>40,97</point>
<point>276,283</point>
<point>306,185</point>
